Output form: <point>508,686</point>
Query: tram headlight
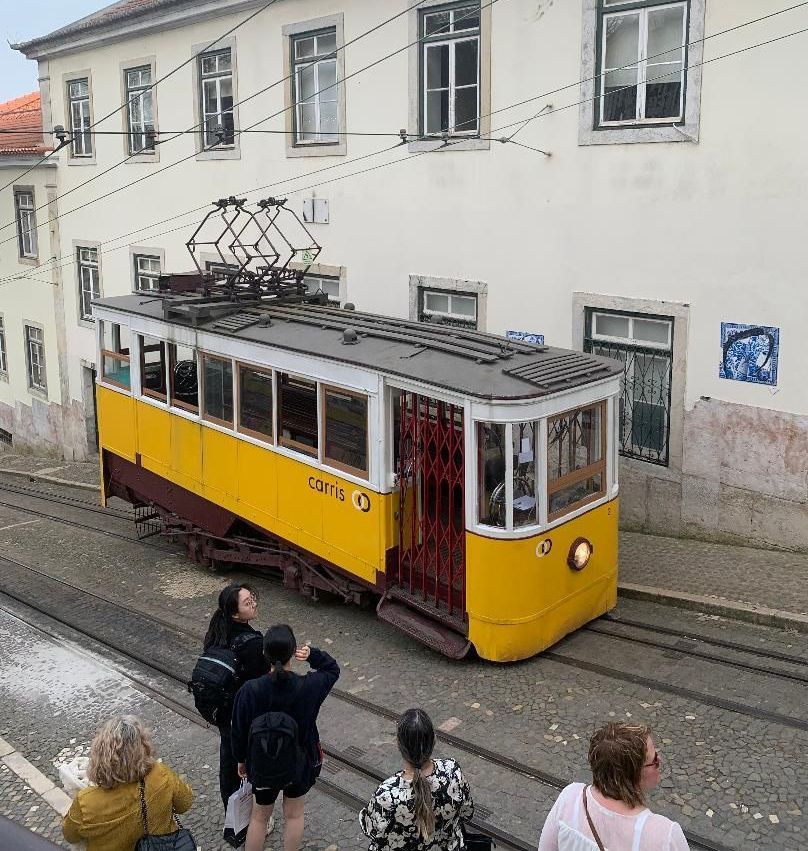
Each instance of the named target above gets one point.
<point>580,553</point>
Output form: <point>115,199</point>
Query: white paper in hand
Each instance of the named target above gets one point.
<point>237,817</point>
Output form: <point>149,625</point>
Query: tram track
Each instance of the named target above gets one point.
<point>499,760</point>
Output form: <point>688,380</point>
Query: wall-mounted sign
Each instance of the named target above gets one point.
<point>749,353</point>
<point>526,337</point>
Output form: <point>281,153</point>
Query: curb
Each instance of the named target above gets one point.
<point>53,480</point>
<point>716,606</point>
<point>43,786</point>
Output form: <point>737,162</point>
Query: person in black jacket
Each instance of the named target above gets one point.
<point>301,697</point>
<point>230,627</point>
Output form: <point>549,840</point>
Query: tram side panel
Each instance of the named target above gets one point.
<point>519,603</point>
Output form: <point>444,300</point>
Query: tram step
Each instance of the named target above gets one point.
<point>422,628</point>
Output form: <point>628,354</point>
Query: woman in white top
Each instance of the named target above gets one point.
<point>611,813</point>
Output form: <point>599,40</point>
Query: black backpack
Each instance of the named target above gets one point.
<point>216,678</point>
<point>275,755</point>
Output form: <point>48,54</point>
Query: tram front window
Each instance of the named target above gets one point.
<point>491,471</point>
<point>523,440</point>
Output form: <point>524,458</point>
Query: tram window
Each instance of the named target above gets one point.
<point>115,354</point>
<point>255,402</point>
<point>491,467</point>
<point>297,413</point>
<point>523,438</point>
<point>217,389</point>
<point>345,431</point>
<point>152,368</point>
<point>183,377</point>
<point>576,459</point>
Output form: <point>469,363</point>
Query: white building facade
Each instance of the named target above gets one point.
<point>646,205</point>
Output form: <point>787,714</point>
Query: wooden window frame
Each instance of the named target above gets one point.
<point>288,443</point>
<point>147,391</point>
<point>177,403</point>
<point>241,429</point>
<point>116,356</point>
<point>338,465</point>
<point>201,356</point>
<point>584,473</point>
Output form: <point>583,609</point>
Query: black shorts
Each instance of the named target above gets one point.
<point>264,797</point>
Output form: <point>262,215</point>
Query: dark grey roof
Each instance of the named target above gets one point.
<point>469,362</point>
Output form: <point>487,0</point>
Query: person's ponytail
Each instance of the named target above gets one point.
<point>279,647</point>
<point>422,803</point>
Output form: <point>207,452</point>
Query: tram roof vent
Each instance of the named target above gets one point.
<point>556,371</point>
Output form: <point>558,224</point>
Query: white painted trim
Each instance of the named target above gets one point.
<point>231,152</point>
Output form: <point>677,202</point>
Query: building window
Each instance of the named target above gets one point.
<point>89,281</point>
<point>643,58</point>
<point>452,308</point>
<point>314,87</point>
<point>140,109</point>
<point>255,402</point>
<point>147,272</point>
<point>26,222</point>
<point>644,344</point>
<point>297,413</point>
<point>323,284</point>
<point>184,377</point>
<point>217,390</point>
<point>345,431</point>
<point>78,99</point>
<point>576,459</point>
<point>450,70</point>
<point>152,368</point>
<point>3,351</point>
<point>115,354</point>
<point>35,358</point>
<point>216,98</point>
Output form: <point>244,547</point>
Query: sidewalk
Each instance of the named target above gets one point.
<point>761,586</point>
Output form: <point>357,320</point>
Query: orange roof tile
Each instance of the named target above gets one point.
<point>21,126</point>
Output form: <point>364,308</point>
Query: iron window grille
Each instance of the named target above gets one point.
<point>26,223</point>
<point>450,308</point>
<point>140,110</point>
<point>35,358</point>
<point>147,272</point>
<point>644,345</point>
<point>78,98</point>
<point>3,352</point>
<point>450,70</point>
<point>642,62</point>
<point>89,282</point>
<point>216,98</point>
<point>314,87</point>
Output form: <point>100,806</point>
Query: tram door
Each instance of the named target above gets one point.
<point>431,566</point>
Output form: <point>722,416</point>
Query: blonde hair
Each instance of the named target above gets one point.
<point>121,752</point>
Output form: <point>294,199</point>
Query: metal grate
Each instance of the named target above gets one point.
<point>645,398</point>
<point>238,321</point>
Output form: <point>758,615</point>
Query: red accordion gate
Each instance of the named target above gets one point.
<point>431,567</point>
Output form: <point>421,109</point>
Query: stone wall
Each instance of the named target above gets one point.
<point>45,428</point>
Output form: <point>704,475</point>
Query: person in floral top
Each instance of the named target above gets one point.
<point>423,806</point>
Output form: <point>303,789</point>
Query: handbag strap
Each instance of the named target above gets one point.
<point>144,813</point>
<point>591,825</point>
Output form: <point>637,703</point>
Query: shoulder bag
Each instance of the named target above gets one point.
<point>591,825</point>
<point>179,840</point>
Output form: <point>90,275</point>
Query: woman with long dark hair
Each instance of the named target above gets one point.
<point>230,627</point>
<point>424,805</point>
<point>300,697</point>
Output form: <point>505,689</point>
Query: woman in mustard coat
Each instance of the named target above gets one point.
<point>107,815</point>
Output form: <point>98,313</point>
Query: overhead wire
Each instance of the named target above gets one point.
<point>454,142</point>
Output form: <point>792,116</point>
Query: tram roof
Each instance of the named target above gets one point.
<point>461,360</point>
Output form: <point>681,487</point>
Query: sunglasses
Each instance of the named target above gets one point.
<point>654,762</point>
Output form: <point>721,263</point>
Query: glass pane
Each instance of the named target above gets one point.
<point>210,96</point>
<point>437,66</point>
<point>223,62</point>
<point>255,400</point>
<point>665,34</point>
<point>208,64</point>
<point>437,22</point>
<point>466,63</point>
<point>307,121</point>
<point>326,43</point>
<point>346,430</point>
<point>619,102</point>
<point>491,468</point>
<point>622,40</point>
<point>306,82</point>
<point>327,79</point>
<point>573,441</point>
<point>328,121</point>
<point>524,474</point>
<point>114,369</point>
<point>580,491</point>
<point>184,380</point>
<point>651,330</point>
<point>611,326</point>
<point>466,110</point>
<point>436,302</point>
<point>226,93</point>
<point>466,18</point>
<point>663,95</point>
<point>297,413</point>
<point>152,367</point>
<point>437,111</point>
<point>464,305</point>
<point>218,384</point>
<point>304,48</point>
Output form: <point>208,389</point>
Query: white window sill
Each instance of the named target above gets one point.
<point>81,161</point>
<point>143,158</point>
<point>628,134</point>
<point>28,261</point>
<point>318,149</point>
<point>39,393</point>
<point>457,143</point>
<point>219,154</point>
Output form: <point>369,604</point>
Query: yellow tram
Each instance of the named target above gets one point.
<point>466,482</point>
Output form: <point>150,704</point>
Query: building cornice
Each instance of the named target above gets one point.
<point>153,21</point>
<point>25,161</point>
